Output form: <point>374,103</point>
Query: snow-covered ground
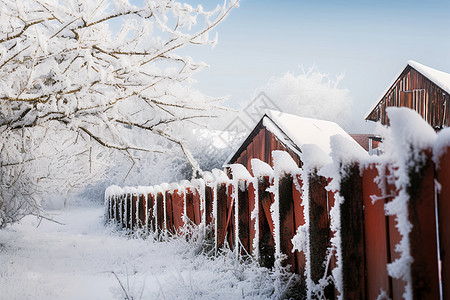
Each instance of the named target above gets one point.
<point>80,260</point>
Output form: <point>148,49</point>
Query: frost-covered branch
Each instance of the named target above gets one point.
<point>93,74</point>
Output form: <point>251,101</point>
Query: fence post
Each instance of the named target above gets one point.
<point>243,213</point>
<point>287,227</point>
<point>120,209</point>
<point>151,204</point>
<point>299,220</point>
<point>126,214</point>
<point>230,217</point>
<point>141,213</point>
<point>221,214</point>
<point>266,239</point>
<point>319,228</point>
<point>194,202</point>
<point>159,212</point>
<point>209,199</point>
<point>376,234</point>
<point>398,285</point>
<point>190,208</point>
<point>116,209</point>
<point>421,212</point>
<point>443,177</point>
<point>133,219</point>
<point>169,211</point>
<point>177,209</point>
<point>352,234</point>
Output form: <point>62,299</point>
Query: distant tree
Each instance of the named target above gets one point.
<point>311,94</point>
<point>76,75</point>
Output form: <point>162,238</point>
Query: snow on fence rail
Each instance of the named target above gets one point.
<point>353,226</point>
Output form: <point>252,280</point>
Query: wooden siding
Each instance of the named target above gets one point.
<point>261,146</point>
<point>413,90</point>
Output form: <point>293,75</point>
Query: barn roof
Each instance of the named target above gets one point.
<point>439,78</point>
<point>294,132</point>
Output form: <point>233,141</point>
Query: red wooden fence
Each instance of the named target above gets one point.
<point>241,214</point>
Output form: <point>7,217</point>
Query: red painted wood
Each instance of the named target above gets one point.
<point>151,217</point>
<point>142,208</point>
<point>261,147</point>
<point>352,233</point>
<point>266,202</point>
<point>398,285</point>
<point>118,203</point>
<point>221,214</point>
<point>133,219</point>
<point>177,210</point>
<point>169,212</point>
<point>195,198</point>
<point>319,228</point>
<point>190,214</point>
<point>422,212</point>
<point>412,89</point>
<point>299,220</point>
<point>127,209</point>
<point>443,177</point>
<point>230,224</point>
<point>375,233</point>
<point>266,239</point>
<point>208,205</point>
<point>333,260</point>
<point>252,222</point>
<point>159,212</point>
<point>244,216</point>
<point>287,225</point>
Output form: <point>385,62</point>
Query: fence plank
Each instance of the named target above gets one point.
<point>221,221</point>
<point>177,210</point>
<point>208,205</point>
<point>421,210</point>
<point>266,240</point>
<point>376,235</point>
<point>443,177</point>
<point>127,210</point>
<point>287,226</point>
<point>352,235</point>
<point>159,212</point>
<point>398,285</point>
<point>142,209</point>
<point>243,216</point>
<point>196,205</point>
<point>252,234</point>
<point>299,220</point>
<point>169,212</point>
<point>319,226</point>
<point>133,219</point>
<point>150,212</point>
<point>229,217</point>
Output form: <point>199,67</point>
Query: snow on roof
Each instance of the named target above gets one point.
<point>303,131</point>
<point>439,78</point>
<point>295,131</point>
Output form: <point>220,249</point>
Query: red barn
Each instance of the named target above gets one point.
<point>281,131</point>
<point>420,88</point>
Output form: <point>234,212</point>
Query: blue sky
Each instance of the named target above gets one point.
<point>368,41</point>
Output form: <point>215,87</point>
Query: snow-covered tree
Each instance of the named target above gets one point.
<point>76,75</point>
<point>311,94</point>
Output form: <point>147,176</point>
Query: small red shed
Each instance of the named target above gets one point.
<point>282,131</point>
<point>420,88</point>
